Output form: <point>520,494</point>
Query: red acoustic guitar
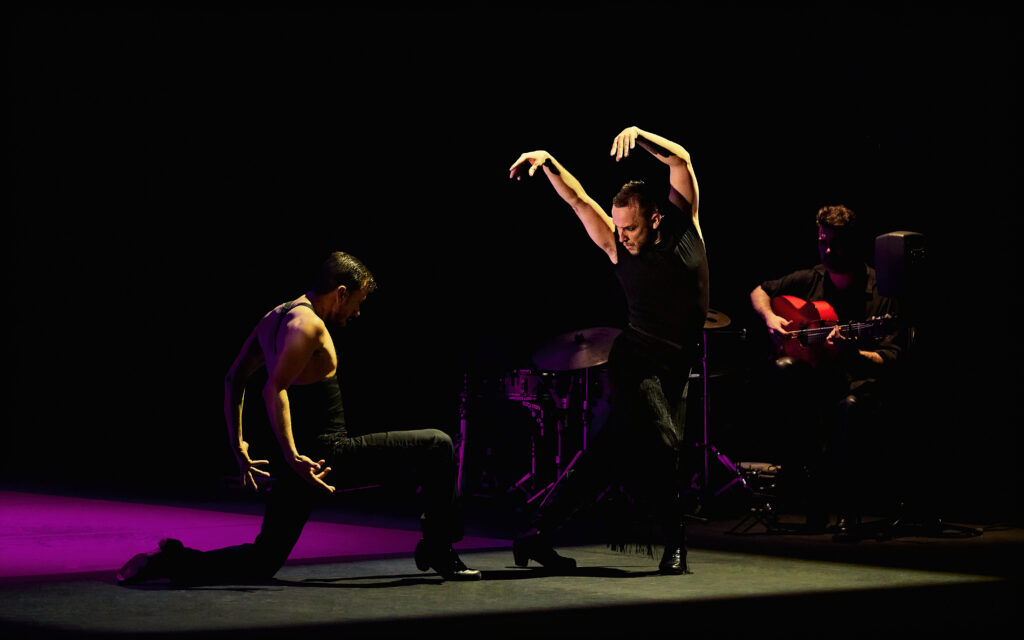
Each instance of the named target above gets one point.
<point>811,324</point>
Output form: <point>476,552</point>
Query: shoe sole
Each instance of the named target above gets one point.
<point>419,557</point>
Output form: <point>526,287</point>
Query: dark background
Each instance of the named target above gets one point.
<point>175,173</point>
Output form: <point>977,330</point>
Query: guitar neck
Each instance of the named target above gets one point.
<point>853,329</point>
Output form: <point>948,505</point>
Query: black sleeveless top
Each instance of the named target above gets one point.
<point>666,285</point>
<point>316,408</point>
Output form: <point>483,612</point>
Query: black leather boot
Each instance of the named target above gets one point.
<point>443,559</point>
<point>533,545</point>
<point>673,560</point>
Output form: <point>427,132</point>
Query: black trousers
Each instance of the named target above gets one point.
<point>640,444</point>
<point>425,455</point>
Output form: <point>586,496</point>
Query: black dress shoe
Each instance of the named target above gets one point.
<point>673,561</point>
<point>534,546</point>
<point>443,560</point>
<point>152,566</point>
<point>847,530</point>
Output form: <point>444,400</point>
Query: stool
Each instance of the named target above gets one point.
<point>759,480</point>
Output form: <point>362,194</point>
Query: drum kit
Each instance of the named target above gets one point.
<point>566,395</point>
<point>563,394</point>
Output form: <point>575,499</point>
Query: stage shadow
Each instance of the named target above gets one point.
<point>512,573</point>
<point>527,573</point>
<point>401,580</point>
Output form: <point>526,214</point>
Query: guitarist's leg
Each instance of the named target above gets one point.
<point>852,442</point>
<point>796,399</point>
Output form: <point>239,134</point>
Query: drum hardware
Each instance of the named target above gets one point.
<point>578,353</point>
<point>716,320</point>
<point>460,445</point>
<point>568,369</point>
<point>759,479</point>
<point>576,350</point>
<point>702,479</point>
<point>562,402</point>
<point>560,405</point>
<point>574,358</point>
<point>537,413</point>
<point>558,386</point>
<point>530,392</point>
<point>525,385</point>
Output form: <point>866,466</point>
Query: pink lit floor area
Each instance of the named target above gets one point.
<point>51,535</point>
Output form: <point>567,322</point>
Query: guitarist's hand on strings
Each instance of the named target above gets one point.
<point>836,338</point>
<point>839,345</point>
<point>776,325</point>
<point>848,348</point>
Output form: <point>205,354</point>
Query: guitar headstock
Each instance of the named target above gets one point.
<point>873,327</point>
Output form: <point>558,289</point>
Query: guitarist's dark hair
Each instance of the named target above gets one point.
<point>838,217</point>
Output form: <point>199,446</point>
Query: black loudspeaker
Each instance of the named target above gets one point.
<point>899,263</point>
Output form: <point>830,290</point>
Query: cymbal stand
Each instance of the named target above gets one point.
<point>562,404</point>
<point>460,446</point>
<point>565,403</point>
<point>537,412</point>
<point>706,446</point>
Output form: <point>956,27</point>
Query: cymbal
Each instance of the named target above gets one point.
<point>716,320</point>
<point>576,350</point>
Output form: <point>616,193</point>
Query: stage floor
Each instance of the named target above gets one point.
<point>58,555</point>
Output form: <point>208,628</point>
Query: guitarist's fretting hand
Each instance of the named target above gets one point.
<point>840,343</point>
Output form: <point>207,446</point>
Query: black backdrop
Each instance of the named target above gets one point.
<point>174,173</point>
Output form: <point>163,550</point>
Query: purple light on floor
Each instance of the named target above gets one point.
<point>50,535</point>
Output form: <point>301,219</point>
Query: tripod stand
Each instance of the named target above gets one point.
<point>756,480</point>
<point>702,479</point>
<point>903,525</point>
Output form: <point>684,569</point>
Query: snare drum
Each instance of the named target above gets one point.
<point>524,384</point>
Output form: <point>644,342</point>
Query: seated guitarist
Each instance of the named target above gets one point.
<point>832,385</point>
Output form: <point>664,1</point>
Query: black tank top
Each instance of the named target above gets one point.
<point>316,408</point>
